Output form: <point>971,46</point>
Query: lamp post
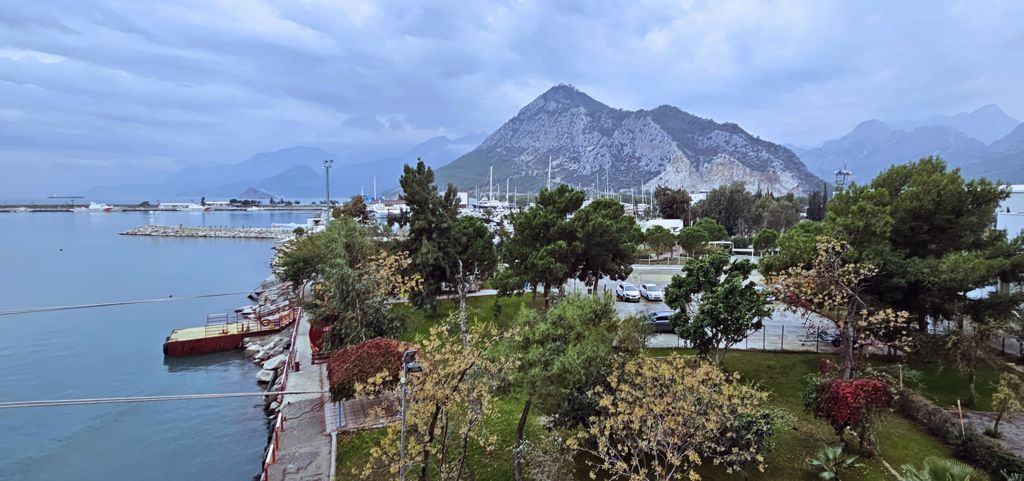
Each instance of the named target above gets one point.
<point>327,180</point>
<point>409,365</point>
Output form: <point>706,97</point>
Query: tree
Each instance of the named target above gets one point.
<point>976,324</point>
<point>448,404</point>
<point>715,304</point>
<point>542,249</point>
<point>715,231</point>
<point>1007,399</point>
<point>661,418</point>
<point>431,221</point>
<point>832,287</point>
<point>475,258</point>
<point>780,213</point>
<point>766,239</point>
<point>560,351</point>
<point>660,239</point>
<point>605,242</point>
<point>731,206</point>
<point>816,206</point>
<point>938,469</point>
<point>797,247</point>
<point>672,203</point>
<point>354,279</point>
<point>693,239</point>
<point>355,208</point>
<point>931,235</point>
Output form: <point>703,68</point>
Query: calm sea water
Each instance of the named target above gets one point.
<point>71,258</point>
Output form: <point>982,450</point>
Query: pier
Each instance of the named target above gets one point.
<point>210,232</point>
<point>225,332</point>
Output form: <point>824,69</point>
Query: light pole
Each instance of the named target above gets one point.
<point>409,365</point>
<point>327,180</point>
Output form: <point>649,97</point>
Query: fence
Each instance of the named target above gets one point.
<point>795,338</point>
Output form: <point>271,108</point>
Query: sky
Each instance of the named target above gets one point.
<point>105,91</point>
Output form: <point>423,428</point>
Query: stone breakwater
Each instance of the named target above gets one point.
<point>209,232</point>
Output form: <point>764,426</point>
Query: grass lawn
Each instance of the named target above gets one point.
<point>900,441</point>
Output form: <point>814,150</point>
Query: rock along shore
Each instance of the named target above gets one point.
<point>209,232</point>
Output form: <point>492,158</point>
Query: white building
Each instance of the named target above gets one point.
<point>1010,215</point>
<point>673,225</point>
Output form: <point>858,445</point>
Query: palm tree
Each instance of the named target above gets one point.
<point>938,469</point>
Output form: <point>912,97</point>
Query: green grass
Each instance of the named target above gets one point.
<point>900,441</point>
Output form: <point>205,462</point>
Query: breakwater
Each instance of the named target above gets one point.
<point>209,232</point>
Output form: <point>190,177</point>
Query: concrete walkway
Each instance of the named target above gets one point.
<point>304,447</point>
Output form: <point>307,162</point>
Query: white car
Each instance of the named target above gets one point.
<point>652,292</point>
<point>627,292</point>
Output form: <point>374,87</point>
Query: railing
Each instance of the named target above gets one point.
<point>273,318</point>
<point>271,458</point>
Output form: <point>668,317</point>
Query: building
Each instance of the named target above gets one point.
<point>673,225</point>
<point>1010,215</point>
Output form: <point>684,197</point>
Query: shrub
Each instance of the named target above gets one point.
<point>978,449</point>
<point>357,364</point>
<point>849,403</point>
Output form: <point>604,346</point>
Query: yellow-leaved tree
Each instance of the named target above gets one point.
<point>832,287</point>
<point>661,418</point>
<point>448,405</point>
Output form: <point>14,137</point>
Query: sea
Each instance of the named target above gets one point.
<point>60,259</point>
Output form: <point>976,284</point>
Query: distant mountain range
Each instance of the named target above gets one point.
<point>985,142</point>
<point>593,145</point>
<point>294,172</point>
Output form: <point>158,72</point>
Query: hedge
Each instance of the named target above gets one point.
<point>972,446</point>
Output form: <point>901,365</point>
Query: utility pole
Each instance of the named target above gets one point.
<point>490,185</point>
<point>327,180</point>
<point>549,172</point>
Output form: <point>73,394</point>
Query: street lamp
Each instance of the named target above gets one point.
<point>409,365</point>
<point>327,180</point>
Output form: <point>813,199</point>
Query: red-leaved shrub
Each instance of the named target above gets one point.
<point>852,403</point>
<point>358,363</point>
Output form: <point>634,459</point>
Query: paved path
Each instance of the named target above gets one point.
<point>304,448</point>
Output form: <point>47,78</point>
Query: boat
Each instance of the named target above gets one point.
<point>184,206</point>
<point>96,207</point>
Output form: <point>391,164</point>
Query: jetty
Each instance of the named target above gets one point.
<point>276,310</point>
<point>210,232</point>
<point>225,332</point>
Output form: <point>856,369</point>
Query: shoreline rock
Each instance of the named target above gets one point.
<point>210,232</point>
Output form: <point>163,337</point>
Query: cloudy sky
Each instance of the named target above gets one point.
<point>104,91</point>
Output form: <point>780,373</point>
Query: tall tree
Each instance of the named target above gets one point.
<point>732,206</point>
<point>560,351</point>
<point>816,206</point>
<point>431,219</point>
<point>931,234</point>
<point>765,239</point>
<point>713,229</point>
<point>541,250</point>
<point>605,239</point>
<point>659,239</point>
<point>475,259</point>
<point>716,305</point>
<point>672,203</point>
<point>693,239</point>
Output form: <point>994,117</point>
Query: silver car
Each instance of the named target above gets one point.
<point>627,292</point>
<point>652,292</point>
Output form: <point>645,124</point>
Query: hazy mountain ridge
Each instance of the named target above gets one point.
<point>293,172</point>
<point>590,143</point>
<point>873,146</point>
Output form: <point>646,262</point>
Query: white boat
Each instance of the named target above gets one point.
<point>96,207</point>
<point>254,208</point>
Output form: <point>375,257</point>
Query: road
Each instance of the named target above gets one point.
<point>784,330</point>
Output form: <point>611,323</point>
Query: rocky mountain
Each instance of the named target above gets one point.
<point>874,146</point>
<point>589,143</point>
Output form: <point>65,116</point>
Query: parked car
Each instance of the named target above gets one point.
<point>627,292</point>
<point>661,321</point>
<point>652,292</point>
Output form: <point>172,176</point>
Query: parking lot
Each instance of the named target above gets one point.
<point>783,330</point>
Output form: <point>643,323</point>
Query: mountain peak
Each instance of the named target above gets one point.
<point>563,96</point>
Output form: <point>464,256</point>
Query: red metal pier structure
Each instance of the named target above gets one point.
<point>224,332</point>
